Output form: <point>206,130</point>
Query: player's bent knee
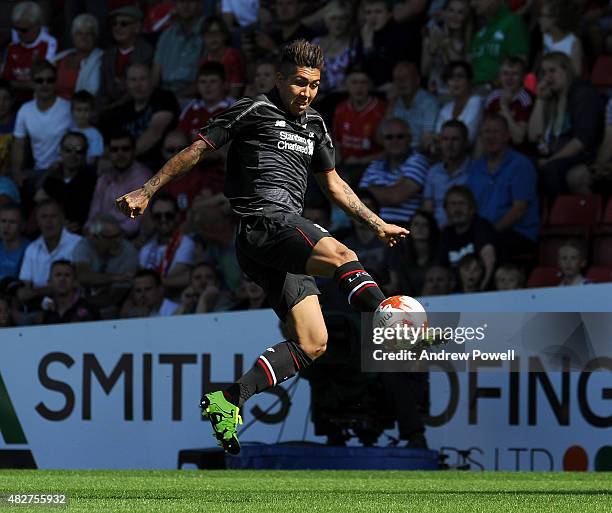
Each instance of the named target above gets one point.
<point>345,255</point>
<point>314,344</point>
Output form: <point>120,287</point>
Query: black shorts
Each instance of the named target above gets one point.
<point>273,250</point>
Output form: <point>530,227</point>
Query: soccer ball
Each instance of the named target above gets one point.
<point>404,316</point>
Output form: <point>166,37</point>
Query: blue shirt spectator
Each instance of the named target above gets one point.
<point>407,101</point>
<point>396,181</point>
<point>504,182</point>
<point>452,170</point>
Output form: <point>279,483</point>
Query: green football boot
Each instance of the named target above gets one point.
<point>224,418</point>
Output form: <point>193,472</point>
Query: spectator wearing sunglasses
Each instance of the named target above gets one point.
<point>105,264</point>
<point>397,180</point>
<point>169,252</point>
<point>125,174</point>
<point>128,48</point>
<point>33,44</point>
<point>71,179</point>
<point>43,121</point>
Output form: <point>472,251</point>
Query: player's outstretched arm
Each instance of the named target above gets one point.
<point>338,191</point>
<point>135,203</point>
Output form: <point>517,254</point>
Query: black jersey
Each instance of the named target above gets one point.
<point>270,154</point>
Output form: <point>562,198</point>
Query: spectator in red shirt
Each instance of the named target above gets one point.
<point>356,121</point>
<point>212,91</point>
<point>512,100</point>
<point>78,69</point>
<point>35,44</point>
<point>216,37</point>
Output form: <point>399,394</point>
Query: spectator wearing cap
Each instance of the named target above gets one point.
<point>124,175</point>
<point>503,34</point>
<point>105,263</point>
<point>453,169</point>
<point>407,100</point>
<point>216,49</point>
<point>71,178</point>
<point>34,44</point>
<point>148,114</point>
<point>128,48</point>
<point>78,68</point>
<point>63,304</point>
<point>503,182</point>
<point>463,105</point>
<point>7,126</point>
<point>397,180</point>
<point>512,100</point>
<point>12,242</point>
<point>179,50</point>
<point>383,43</point>
<point>290,27</point>
<point>41,121</point>
<point>9,193</point>
<point>54,243</point>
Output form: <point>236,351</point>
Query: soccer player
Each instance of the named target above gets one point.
<point>275,139</point>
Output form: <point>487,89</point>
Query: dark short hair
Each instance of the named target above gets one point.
<point>74,133</point>
<point>514,60</point>
<point>12,207</point>
<point>469,259</point>
<point>452,65</point>
<point>148,273</point>
<point>83,96</point>
<point>48,202</point>
<point>496,116</point>
<point>459,125</point>
<point>62,261</point>
<point>121,134</point>
<point>464,191</point>
<point>356,67</point>
<point>300,53</point>
<point>215,20</point>
<point>40,66</point>
<point>165,197</point>
<point>212,68</point>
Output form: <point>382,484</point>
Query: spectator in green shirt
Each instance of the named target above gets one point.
<point>503,34</point>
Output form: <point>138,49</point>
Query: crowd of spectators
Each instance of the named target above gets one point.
<point>462,120</point>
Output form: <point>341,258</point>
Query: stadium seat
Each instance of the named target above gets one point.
<point>605,226</point>
<point>549,250</point>
<point>573,215</point>
<point>544,277</point>
<point>601,76</point>
<point>599,274</point>
<point>602,251</point>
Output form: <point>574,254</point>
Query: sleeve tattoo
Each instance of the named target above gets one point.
<point>181,163</point>
<point>359,211</point>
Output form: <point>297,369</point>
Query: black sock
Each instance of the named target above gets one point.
<point>277,364</point>
<point>362,291</point>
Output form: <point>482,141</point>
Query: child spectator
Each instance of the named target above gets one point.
<point>356,121</point>
<point>571,262</point>
<point>509,277</point>
<point>471,273</point>
<point>213,99</point>
<point>83,104</point>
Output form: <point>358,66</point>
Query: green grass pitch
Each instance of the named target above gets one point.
<point>245,491</point>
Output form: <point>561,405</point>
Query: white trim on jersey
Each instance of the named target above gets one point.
<point>265,360</point>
